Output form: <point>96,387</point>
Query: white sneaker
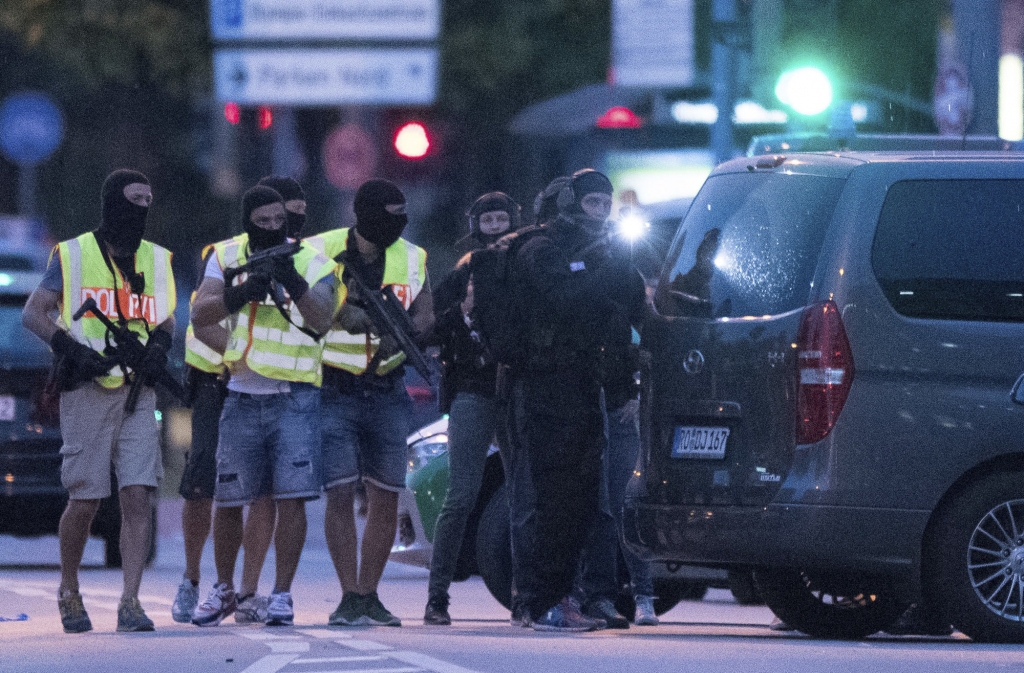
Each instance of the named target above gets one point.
<point>185,602</point>
<point>645,615</point>
<point>279,611</point>
<point>252,610</point>
<point>220,603</point>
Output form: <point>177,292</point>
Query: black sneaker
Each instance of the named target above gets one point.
<point>378,615</point>
<point>561,619</point>
<point>521,616</point>
<point>73,616</point>
<point>604,609</point>
<point>436,613</point>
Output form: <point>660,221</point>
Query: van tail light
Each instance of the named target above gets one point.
<point>825,371</point>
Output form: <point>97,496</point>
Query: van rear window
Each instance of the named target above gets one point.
<point>953,249</point>
<point>748,246</point>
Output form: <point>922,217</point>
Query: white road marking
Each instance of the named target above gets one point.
<point>282,645</point>
<point>328,634</point>
<point>339,660</point>
<point>30,591</point>
<point>287,646</point>
<point>272,663</point>
<point>363,645</point>
<point>429,663</point>
<point>376,670</point>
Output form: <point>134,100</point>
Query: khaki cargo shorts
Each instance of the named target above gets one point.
<point>98,434</point>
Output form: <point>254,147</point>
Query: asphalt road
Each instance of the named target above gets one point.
<point>710,636</point>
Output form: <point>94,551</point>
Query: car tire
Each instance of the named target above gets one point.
<point>494,548</point>
<point>823,607</point>
<point>741,584</point>
<point>974,559</point>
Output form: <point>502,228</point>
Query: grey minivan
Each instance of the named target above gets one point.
<point>828,389</point>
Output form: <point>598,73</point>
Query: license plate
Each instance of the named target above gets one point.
<point>698,441</point>
<point>6,407</point>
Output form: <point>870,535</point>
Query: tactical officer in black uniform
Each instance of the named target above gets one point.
<point>575,298</point>
<point>467,388</point>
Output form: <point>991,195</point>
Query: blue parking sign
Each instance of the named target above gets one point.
<point>31,127</point>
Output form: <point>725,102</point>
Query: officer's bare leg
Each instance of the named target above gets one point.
<point>379,536</point>
<point>256,537</point>
<point>340,531</point>
<point>136,525</point>
<point>227,539</point>
<point>196,516</point>
<point>289,538</point>
<point>74,533</point>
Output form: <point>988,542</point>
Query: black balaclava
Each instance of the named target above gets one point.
<point>487,203</point>
<point>583,182</point>
<point>380,212</point>
<point>260,238</point>
<point>122,223</point>
<point>290,190</point>
<point>545,204</point>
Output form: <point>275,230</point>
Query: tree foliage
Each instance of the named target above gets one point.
<point>127,42</point>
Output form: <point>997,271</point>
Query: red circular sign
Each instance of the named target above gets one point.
<point>349,156</point>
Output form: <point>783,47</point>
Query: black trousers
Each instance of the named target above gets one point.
<point>564,452</point>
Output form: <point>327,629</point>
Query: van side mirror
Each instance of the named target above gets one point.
<point>1017,394</point>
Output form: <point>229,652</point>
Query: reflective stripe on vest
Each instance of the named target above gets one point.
<point>198,354</point>
<point>405,269</point>
<point>269,344</point>
<point>86,275</point>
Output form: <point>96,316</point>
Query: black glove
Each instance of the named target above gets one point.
<point>83,363</point>
<point>154,363</point>
<point>285,273</point>
<point>255,288</point>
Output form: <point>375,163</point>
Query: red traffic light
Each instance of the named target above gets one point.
<point>264,117</point>
<point>232,113</point>
<point>412,141</point>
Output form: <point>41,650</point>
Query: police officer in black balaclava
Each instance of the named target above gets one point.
<point>379,206</point>
<point>265,227</point>
<point>294,202</point>
<point>124,205</point>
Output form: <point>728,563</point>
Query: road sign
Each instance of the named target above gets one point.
<point>326,76</point>
<point>652,43</point>
<point>31,127</point>
<point>308,20</point>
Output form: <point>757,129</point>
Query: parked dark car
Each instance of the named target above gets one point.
<point>32,498</point>
<point>827,389</point>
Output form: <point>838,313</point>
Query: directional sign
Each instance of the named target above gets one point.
<point>326,76</point>
<point>308,20</point>
<point>31,127</point>
<point>652,43</point>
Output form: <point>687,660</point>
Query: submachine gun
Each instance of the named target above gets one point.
<point>262,263</point>
<point>390,318</point>
<point>129,351</point>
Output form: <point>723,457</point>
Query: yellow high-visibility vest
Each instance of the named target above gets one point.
<point>198,354</point>
<point>262,338</point>
<point>405,270</point>
<point>86,274</point>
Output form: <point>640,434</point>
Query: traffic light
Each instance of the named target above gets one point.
<point>807,90</point>
<point>412,140</point>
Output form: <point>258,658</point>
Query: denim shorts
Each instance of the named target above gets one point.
<point>364,434</point>
<point>269,445</point>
